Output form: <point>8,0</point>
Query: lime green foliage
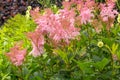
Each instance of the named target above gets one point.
<point>13,30</point>
<point>4,64</point>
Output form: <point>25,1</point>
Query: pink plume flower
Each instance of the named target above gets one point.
<point>84,3</point>
<point>16,55</point>
<point>66,29</point>
<point>107,11</point>
<point>111,2</point>
<point>46,22</point>
<point>76,1</point>
<point>35,13</point>
<point>86,15</point>
<point>66,4</point>
<point>37,41</point>
<point>58,26</point>
<point>90,4</point>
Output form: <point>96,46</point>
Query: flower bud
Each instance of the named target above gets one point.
<point>100,44</point>
<point>28,12</point>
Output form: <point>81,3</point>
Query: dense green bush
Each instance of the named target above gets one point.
<point>14,30</point>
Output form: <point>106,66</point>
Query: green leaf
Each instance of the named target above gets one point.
<point>86,67</point>
<point>114,48</point>
<point>5,76</point>
<point>118,54</point>
<point>62,54</point>
<point>101,64</point>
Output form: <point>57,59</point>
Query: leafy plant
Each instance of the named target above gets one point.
<point>14,30</point>
<point>80,41</point>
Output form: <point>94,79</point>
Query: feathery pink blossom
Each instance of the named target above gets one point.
<point>84,3</point>
<point>66,29</point>
<point>46,22</point>
<point>86,15</point>
<point>58,26</point>
<point>66,4</point>
<point>35,13</point>
<point>76,1</point>
<point>90,4</point>
<point>16,55</point>
<point>37,41</point>
<point>107,11</point>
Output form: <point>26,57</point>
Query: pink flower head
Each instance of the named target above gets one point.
<point>16,55</point>
<point>84,3</point>
<point>111,2</point>
<point>35,13</point>
<point>37,41</point>
<point>66,4</point>
<point>57,27</point>
<point>79,3</point>
<point>64,28</point>
<point>65,31</point>
<point>107,11</point>
<point>90,4</point>
<point>76,1</point>
<point>86,15</point>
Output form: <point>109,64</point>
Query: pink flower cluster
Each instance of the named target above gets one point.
<point>16,55</point>
<point>58,27</point>
<point>84,3</point>
<point>85,8</point>
<point>107,11</point>
<point>86,15</point>
<point>61,26</point>
<point>37,42</point>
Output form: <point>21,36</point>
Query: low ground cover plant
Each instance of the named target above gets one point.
<point>79,41</point>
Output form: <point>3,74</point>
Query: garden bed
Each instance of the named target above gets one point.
<point>78,40</point>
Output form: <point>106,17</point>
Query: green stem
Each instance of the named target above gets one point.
<point>89,41</point>
<point>112,64</point>
<point>20,70</point>
<point>88,36</point>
